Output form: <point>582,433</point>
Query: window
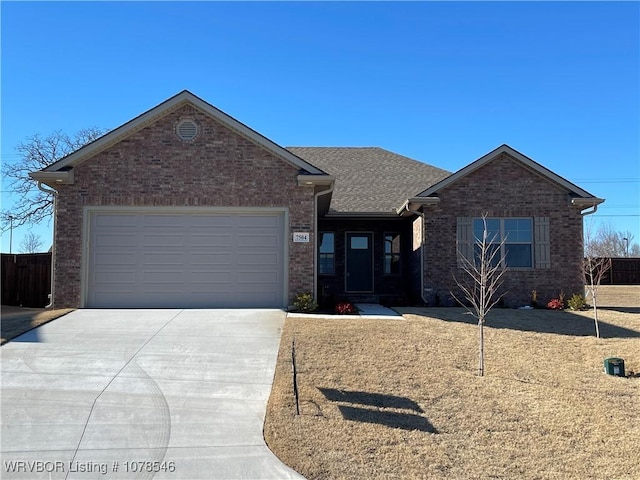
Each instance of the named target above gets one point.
<point>517,235</point>
<point>391,253</point>
<point>326,257</point>
<point>359,243</point>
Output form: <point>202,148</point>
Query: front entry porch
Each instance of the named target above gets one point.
<point>367,260</point>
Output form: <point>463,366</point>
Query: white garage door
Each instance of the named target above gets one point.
<point>190,260</point>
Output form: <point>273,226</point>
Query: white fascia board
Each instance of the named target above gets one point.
<point>533,165</point>
<point>315,180</point>
<point>586,202</point>
<point>418,202</point>
<point>361,215</point>
<point>167,106</point>
<point>53,178</point>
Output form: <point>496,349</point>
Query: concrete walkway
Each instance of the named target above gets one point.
<point>164,394</point>
<point>369,311</point>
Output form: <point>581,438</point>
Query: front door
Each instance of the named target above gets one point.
<point>359,272</point>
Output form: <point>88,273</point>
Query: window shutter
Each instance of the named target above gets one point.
<point>465,239</point>
<point>542,245</point>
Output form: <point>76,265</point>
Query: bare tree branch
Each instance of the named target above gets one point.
<point>31,243</point>
<point>32,205</point>
<point>608,242</point>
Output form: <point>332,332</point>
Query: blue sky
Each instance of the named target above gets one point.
<point>441,82</point>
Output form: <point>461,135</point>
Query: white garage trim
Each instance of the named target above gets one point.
<point>90,213</point>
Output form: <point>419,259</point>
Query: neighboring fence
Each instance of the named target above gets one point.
<point>26,279</point>
<point>624,271</point>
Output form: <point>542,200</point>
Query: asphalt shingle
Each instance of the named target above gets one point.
<point>370,179</point>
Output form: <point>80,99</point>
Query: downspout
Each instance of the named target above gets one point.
<point>421,214</point>
<point>406,207</point>
<point>53,192</point>
<point>315,239</point>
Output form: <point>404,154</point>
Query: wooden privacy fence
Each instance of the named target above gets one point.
<point>624,271</point>
<point>26,279</point>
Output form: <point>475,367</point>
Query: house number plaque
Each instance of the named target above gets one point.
<point>301,237</point>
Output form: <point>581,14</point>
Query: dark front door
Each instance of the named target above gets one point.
<point>359,272</point>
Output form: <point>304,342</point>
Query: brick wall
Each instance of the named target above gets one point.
<point>153,167</point>
<point>505,188</point>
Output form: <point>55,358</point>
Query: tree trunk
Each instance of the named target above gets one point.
<point>481,359</point>
<point>595,313</point>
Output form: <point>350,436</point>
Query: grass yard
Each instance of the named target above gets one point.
<point>400,399</point>
<point>17,320</point>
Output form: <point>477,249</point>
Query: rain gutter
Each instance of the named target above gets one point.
<point>583,203</point>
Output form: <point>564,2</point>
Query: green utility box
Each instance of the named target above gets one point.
<point>614,366</point>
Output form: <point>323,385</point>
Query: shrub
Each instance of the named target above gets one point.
<point>577,302</point>
<point>534,298</point>
<point>304,302</point>
<point>345,308</point>
<point>556,304</point>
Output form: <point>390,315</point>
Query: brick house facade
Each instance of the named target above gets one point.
<point>186,163</point>
<point>504,188</point>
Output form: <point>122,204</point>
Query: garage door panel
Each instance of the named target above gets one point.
<point>254,222</point>
<point>186,260</point>
<point>206,220</point>
<point>253,278</point>
<point>258,240</point>
<point>167,278</point>
<point>164,221</point>
<point>115,258</point>
<point>164,240</point>
<point>257,259</point>
<point>116,220</point>
<point>115,277</point>
<point>209,259</point>
<point>259,299</point>
<point>211,277</point>
<point>125,298</point>
<point>163,258</point>
<point>116,240</point>
<point>211,240</point>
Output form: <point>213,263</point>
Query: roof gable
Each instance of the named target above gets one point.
<point>183,98</point>
<point>517,156</point>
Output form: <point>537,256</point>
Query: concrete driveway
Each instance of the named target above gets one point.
<point>164,394</point>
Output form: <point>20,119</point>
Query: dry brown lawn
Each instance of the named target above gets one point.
<point>17,320</point>
<point>400,399</point>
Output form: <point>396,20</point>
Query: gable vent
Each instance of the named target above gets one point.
<point>187,129</point>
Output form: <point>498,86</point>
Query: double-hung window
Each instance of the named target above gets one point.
<point>513,236</point>
<point>327,254</point>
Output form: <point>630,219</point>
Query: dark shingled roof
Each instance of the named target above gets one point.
<point>370,179</point>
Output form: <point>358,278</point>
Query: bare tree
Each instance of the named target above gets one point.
<point>32,205</point>
<point>608,242</point>
<point>31,243</point>
<point>594,267</point>
<point>484,277</point>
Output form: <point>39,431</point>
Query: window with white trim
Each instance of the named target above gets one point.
<point>514,236</point>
